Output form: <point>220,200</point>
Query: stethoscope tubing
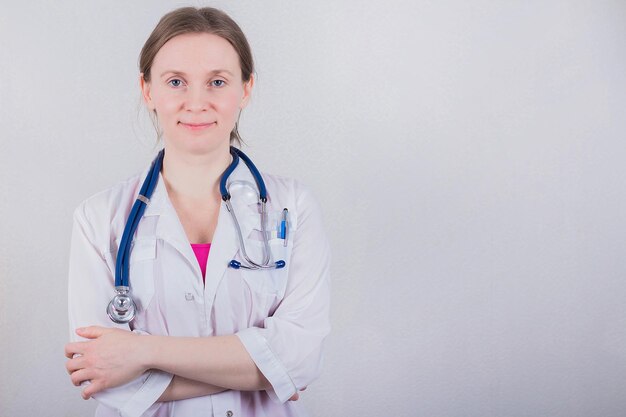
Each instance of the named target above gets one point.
<point>122,308</point>
<point>122,264</point>
<point>255,173</point>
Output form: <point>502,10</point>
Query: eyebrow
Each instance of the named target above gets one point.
<point>214,72</point>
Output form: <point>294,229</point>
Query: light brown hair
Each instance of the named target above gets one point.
<point>198,20</point>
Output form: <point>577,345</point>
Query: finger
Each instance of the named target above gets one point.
<point>92,389</point>
<point>75,364</point>
<point>73,348</point>
<point>91,332</point>
<point>80,376</point>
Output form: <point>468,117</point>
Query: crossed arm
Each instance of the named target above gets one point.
<point>200,365</point>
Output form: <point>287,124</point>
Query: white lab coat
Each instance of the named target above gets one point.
<point>281,316</point>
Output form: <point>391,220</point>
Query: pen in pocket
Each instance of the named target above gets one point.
<point>284,227</point>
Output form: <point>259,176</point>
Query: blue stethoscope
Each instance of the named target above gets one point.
<point>122,308</point>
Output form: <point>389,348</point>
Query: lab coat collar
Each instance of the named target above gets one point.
<point>225,242</point>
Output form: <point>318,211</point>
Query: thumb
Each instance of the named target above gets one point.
<point>91,332</point>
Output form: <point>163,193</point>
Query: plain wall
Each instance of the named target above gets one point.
<point>468,155</point>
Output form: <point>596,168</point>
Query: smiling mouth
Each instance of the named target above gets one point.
<point>197,126</point>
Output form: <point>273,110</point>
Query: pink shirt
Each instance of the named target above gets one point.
<point>201,250</point>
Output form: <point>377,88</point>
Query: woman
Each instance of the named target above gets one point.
<point>207,339</point>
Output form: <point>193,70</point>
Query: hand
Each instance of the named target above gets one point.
<point>296,396</point>
<point>110,359</point>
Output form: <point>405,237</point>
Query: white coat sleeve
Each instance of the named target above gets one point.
<point>288,349</point>
<point>90,289</point>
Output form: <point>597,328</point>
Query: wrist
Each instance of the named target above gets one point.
<point>144,349</point>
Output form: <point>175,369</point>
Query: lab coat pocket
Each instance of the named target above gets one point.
<point>141,272</point>
<point>268,281</point>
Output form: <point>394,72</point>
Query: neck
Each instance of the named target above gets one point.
<point>195,177</point>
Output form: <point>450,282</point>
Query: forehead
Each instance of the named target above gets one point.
<point>196,52</point>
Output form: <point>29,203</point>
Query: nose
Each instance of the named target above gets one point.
<point>197,100</point>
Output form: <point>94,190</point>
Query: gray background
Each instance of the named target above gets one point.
<point>469,157</point>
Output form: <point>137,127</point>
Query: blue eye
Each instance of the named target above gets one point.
<point>218,83</point>
<point>175,82</point>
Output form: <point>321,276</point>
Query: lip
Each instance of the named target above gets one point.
<point>197,126</point>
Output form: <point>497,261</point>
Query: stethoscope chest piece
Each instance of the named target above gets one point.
<point>122,308</point>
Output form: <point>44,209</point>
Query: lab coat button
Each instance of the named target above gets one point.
<point>229,413</point>
<point>188,296</point>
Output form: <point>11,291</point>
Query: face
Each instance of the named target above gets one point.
<point>197,92</point>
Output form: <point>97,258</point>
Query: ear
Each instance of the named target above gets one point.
<point>247,91</point>
<point>145,92</point>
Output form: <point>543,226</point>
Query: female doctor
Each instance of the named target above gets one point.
<point>209,337</point>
